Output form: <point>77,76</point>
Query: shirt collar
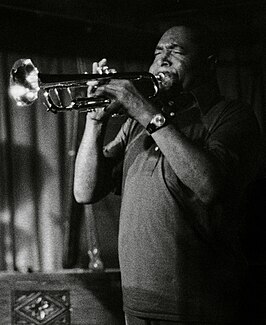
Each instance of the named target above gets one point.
<point>202,98</point>
<point>206,96</point>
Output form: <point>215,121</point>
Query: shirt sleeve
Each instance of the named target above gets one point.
<point>115,151</point>
<point>116,148</point>
<point>234,140</point>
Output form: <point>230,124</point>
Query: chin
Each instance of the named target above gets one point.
<point>166,84</point>
<point>170,89</point>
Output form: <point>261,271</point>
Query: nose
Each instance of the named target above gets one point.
<point>165,58</point>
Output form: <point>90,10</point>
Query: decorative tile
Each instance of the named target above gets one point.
<point>40,307</point>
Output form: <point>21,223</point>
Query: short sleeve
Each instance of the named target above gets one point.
<point>234,139</point>
<point>115,151</point>
<point>116,148</point>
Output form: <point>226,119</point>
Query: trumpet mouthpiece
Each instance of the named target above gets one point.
<point>160,76</point>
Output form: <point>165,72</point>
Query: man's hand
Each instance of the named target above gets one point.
<point>123,93</point>
<point>98,113</point>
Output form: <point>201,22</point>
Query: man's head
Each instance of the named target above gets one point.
<point>185,54</point>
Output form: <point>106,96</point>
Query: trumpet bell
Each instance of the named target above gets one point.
<point>24,82</point>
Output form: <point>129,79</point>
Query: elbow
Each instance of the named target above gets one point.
<point>208,192</point>
<point>85,199</point>
<point>207,197</point>
<point>88,196</point>
<point>82,194</point>
<point>81,197</point>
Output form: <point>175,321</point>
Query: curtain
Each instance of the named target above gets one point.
<point>42,228</point>
<point>37,156</point>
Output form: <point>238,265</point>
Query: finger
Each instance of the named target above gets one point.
<point>94,67</point>
<point>92,86</point>
<point>92,83</point>
<point>112,88</point>
<point>102,63</point>
<point>112,70</point>
<point>97,113</point>
<point>90,91</point>
<point>114,109</point>
<point>100,66</point>
<point>105,90</point>
<point>96,110</point>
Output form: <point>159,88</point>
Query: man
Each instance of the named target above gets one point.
<point>184,160</point>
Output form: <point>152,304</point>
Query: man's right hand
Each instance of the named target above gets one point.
<point>98,113</point>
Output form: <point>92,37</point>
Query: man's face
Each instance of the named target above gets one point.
<point>177,56</point>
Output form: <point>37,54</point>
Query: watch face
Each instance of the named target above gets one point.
<point>156,123</point>
<point>159,120</point>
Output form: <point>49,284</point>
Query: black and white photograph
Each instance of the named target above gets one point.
<point>132,162</point>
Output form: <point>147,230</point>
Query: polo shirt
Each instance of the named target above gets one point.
<point>181,259</point>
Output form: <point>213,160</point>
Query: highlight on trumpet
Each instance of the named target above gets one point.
<point>26,82</point>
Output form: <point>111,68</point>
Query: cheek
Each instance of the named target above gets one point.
<point>184,69</point>
<point>153,66</point>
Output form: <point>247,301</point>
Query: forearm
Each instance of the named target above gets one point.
<point>90,183</point>
<point>194,166</point>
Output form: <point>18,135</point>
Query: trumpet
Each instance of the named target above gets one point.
<point>26,81</point>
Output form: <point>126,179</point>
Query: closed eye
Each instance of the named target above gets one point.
<point>158,51</point>
<point>178,51</point>
<point>173,51</point>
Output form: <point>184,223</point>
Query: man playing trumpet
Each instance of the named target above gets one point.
<point>181,163</point>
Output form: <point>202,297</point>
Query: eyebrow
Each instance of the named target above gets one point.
<point>170,46</point>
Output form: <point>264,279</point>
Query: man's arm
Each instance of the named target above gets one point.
<point>194,166</point>
<point>229,157</point>
<point>92,177</point>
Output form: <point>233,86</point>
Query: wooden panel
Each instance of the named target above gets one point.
<point>95,298</point>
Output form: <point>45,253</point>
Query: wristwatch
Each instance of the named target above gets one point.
<point>157,122</point>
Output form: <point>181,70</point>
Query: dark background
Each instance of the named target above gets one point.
<point>119,27</point>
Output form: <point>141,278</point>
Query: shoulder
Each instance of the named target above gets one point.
<point>232,111</point>
<point>233,106</point>
<point>233,123</point>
